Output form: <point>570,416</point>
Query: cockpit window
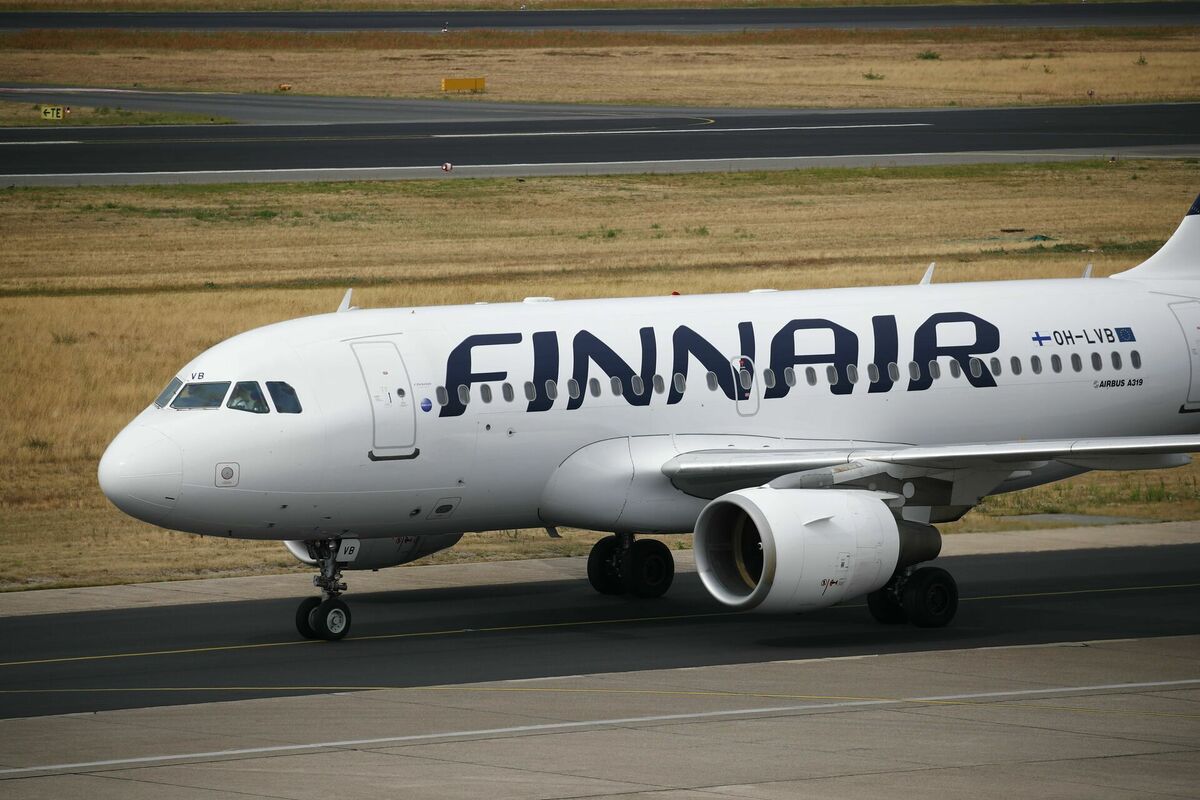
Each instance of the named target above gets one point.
<point>201,395</point>
<point>168,392</point>
<point>284,397</point>
<point>247,396</point>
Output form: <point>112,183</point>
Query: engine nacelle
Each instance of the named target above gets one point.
<point>795,550</point>
<point>380,553</point>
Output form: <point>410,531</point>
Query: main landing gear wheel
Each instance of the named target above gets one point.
<point>603,567</point>
<point>620,565</point>
<point>653,568</point>
<point>930,597</point>
<point>885,607</point>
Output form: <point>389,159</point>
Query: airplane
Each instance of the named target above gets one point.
<point>811,440</point>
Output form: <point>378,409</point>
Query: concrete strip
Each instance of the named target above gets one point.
<point>432,576</point>
<point>435,172</point>
<point>1007,724</point>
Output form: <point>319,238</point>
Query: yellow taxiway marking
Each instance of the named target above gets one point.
<point>536,626</point>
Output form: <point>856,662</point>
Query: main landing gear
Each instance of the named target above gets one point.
<point>325,617</point>
<point>620,565</point>
<point>927,597</point>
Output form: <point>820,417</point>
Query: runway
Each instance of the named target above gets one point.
<point>205,653</point>
<point>638,142</point>
<point>1049,15</point>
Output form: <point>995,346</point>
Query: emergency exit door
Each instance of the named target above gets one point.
<point>393,413</point>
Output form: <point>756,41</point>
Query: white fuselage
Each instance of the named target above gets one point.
<point>384,447</point>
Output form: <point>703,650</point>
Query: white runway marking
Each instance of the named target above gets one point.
<point>593,723</point>
<point>651,131</point>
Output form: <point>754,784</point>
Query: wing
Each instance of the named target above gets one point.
<point>966,472</point>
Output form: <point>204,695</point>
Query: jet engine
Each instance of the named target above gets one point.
<point>794,550</point>
<point>380,553</point>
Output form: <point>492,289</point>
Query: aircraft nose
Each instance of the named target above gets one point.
<point>141,473</point>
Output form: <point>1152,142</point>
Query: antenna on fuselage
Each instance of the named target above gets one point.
<point>927,278</point>
<point>345,304</point>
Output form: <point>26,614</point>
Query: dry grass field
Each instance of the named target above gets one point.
<point>14,114</point>
<point>104,292</point>
<point>777,68</point>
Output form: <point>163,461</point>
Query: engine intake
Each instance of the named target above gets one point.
<point>801,549</point>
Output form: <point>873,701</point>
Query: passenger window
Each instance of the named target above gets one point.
<point>247,396</point>
<point>789,376</point>
<point>507,391</point>
<point>810,376</point>
<point>914,371</point>
<point>745,378</point>
<point>680,382</point>
<point>284,397</point>
<point>1035,364</point>
<point>852,373</point>
<point>201,395</point>
<point>894,371</point>
<point>638,385</point>
<point>617,387</point>
<point>872,373</point>
<point>443,397</point>
<point>1097,362</point>
<point>976,367</point>
<point>1015,365</point>
<point>552,389</point>
<point>485,393</point>
<point>660,385</point>
<point>768,378</point>
<point>1076,362</point>
<point>168,392</point>
<point>1135,359</point>
<point>1116,359</point>
<point>832,375</point>
<point>464,394</point>
<point>995,366</point>
<point>594,387</point>
<point>714,382</point>
<point>573,389</point>
<point>1056,363</point>
<point>935,370</point>
<point>955,368</point>
<point>530,391</point>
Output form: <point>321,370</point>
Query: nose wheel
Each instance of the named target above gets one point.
<point>326,617</point>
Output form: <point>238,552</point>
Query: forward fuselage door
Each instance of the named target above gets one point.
<point>393,412</point>
<point>1188,315</point>
<point>745,385</point>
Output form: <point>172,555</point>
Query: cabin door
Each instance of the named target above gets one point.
<point>745,385</point>
<point>393,412</point>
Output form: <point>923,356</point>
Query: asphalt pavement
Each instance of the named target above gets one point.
<point>648,143</point>
<point>204,653</point>
<point>684,20</point>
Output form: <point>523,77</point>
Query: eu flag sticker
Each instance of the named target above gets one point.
<point>1125,335</point>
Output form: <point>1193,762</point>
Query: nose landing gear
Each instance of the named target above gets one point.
<point>326,617</point>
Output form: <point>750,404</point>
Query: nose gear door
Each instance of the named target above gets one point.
<point>393,412</point>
